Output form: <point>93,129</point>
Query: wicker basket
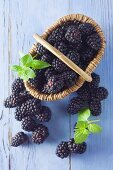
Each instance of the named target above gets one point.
<point>91,67</point>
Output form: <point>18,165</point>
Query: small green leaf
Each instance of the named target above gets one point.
<point>94,128</point>
<point>26,60</point>
<point>80,135</point>
<point>38,64</point>
<point>26,73</point>
<point>81,125</point>
<point>83,115</point>
<point>16,68</point>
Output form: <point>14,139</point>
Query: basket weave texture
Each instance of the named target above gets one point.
<point>90,68</point>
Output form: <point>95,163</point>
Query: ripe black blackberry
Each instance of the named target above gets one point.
<point>25,95</point>
<point>74,56</point>
<point>76,46</point>
<point>81,148</point>
<point>53,85</point>
<point>86,28</point>
<point>95,107</point>
<point>40,134</point>
<point>17,86</point>
<point>28,124</point>
<point>72,146</point>
<point>56,36</point>
<point>73,35</point>
<point>100,93</point>
<point>13,100</point>
<point>68,75</point>
<point>47,58</point>
<point>49,72</point>
<point>87,55</point>
<point>84,92</point>
<point>44,115</point>
<point>58,65</point>
<point>76,105</point>
<point>19,139</point>
<point>62,150</point>
<point>41,49</point>
<point>95,81</point>
<point>94,41</point>
<point>62,47</point>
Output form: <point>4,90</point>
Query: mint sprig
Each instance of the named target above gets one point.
<point>27,66</point>
<point>85,127</point>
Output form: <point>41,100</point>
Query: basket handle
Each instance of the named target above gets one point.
<point>62,57</point>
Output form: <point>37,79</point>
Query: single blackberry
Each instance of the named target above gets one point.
<point>86,28</point>
<point>95,81</point>
<point>40,134</point>
<point>72,146</point>
<point>44,115</point>
<point>73,35</point>
<point>62,47</point>
<point>54,85</point>
<point>17,86</point>
<point>87,55</point>
<point>94,41</point>
<point>47,58</point>
<point>81,148</point>
<point>95,107</point>
<point>56,36</point>
<point>76,46</point>
<point>13,100</point>
<point>99,93</point>
<point>84,92</point>
<point>49,72</point>
<point>76,105</point>
<point>68,75</point>
<point>74,56</point>
<point>28,124</point>
<point>19,139</point>
<point>58,65</point>
<point>62,150</point>
<point>41,49</point>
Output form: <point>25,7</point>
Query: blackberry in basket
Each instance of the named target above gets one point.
<point>58,65</point>
<point>86,28</point>
<point>50,72</point>
<point>74,56</point>
<point>62,47</point>
<point>41,49</point>
<point>19,139</point>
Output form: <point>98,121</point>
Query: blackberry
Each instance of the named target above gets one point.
<point>54,85</point>
<point>84,92</point>
<point>72,145</point>
<point>62,150</point>
<point>62,47</point>
<point>95,107</point>
<point>74,56</point>
<point>49,72</point>
<point>44,115</point>
<point>41,49</point>
<point>25,95</point>
<point>99,93</point>
<point>47,58</point>
<point>28,124</point>
<point>95,81</point>
<point>73,35</point>
<point>19,139</point>
<point>56,36</point>
<point>58,65</point>
<point>94,41</point>
<point>76,46</point>
<point>76,105</point>
<point>17,86</point>
<point>81,148</point>
<point>40,134</point>
<point>87,55</point>
<point>86,28</point>
<point>13,100</point>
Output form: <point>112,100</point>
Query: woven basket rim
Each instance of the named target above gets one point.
<point>90,68</point>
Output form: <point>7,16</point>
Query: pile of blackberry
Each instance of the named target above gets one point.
<point>90,96</point>
<point>64,149</point>
<point>30,112</point>
<point>80,42</point>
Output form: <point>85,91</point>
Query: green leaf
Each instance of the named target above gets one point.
<point>94,128</point>
<point>81,125</point>
<point>38,64</point>
<point>81,135</point>
<point>16,68</point>
<point>26,60</point>
<point>21,54</point>
<point>83,115</point>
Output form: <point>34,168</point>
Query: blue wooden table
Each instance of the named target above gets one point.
<point>18,21</point>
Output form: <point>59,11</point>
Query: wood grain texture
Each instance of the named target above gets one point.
<point>19,20</point>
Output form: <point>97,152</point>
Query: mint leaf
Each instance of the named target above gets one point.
<point>16,68</point>
<point>94,128</point>
<point>26,73</point>
<point>38,64</point>
<point>26,60</point>
<point>81,125</point>
<point>83,115</point>
<point>81,135</point>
